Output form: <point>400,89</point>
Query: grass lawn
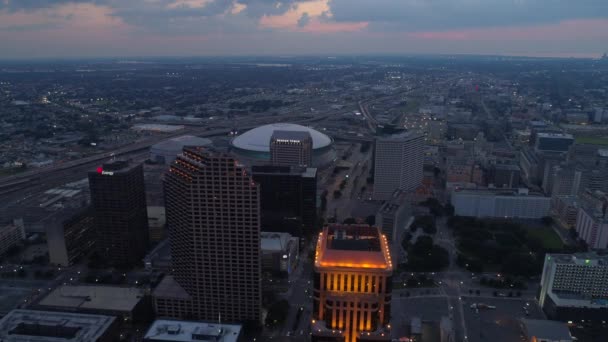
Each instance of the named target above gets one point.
<point>592,140</point>
<point>549,238</point>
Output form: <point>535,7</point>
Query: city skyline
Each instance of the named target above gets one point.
<point>131,28</point>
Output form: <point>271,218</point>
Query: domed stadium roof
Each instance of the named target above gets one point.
<point>258,139</point>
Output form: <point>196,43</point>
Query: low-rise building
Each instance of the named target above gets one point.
<point>50,326</point>
<point>189,331</point>
<point>128,303</point>
<point>393,215</point>
<point>72,240</point>
<point>542,330</point>
<point>500,203</point>
<point>11,235</point>
<point>280,253</point>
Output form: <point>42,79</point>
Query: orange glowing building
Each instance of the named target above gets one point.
<point>352,285</point>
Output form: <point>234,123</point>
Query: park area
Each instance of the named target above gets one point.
<point>505,246</point>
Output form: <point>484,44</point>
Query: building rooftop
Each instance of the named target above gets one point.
<point>169,288</point>
<point>272,241</point>
<point>406,135</point>
<point>112,298</point>
<point>50,326</point>
<point>545,329</point>
<point>555,135</point>
<point>186,331</point>
<point>582,259</point>
<point>499,192</point>
<point>353,246</point>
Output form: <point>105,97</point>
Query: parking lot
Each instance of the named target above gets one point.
<point>500,324</point>
<point>426,308</point>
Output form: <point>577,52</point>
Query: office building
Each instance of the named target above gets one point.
<point>542,330</point>
<point>393,215</point>
<point>565,209</point>
<point>11,235</point>
<point>500,203</point>
<point>157,223</point>
<point>398,164</point>
<point>49,326</point>
<point>574,287</point>
<point>352,285</point>
<point>565,180</point>
<point>188,331</point>
<point>291,148</point>
<point>118,200</point>
<point>504,175</point>
<point>213,216</point>
<point>288,198</point>
<point>280,253</point>
<point>592,226</point>
<point>72,240</point>
<point>553,142</point>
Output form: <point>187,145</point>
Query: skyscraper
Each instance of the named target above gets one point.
<point>118,200</point>
<point>212,212</point>
<point>287,194</point>
<point>291,148</point>
<point>352,285</point>
<point>398,163</point>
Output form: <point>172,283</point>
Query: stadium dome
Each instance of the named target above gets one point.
<point>166,151</point>
<point>254,145</point>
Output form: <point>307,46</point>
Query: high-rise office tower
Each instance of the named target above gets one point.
<point>398,163</point>
<point>291,148</point>
<point>288,198</point>
<point>212,212</point>
<point>118,200</point>
<point>352,285</point>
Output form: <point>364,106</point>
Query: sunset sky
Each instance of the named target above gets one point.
<point>106,28</point>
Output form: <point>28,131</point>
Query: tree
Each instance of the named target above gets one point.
<point>547,220</point>
<point>277,313</point>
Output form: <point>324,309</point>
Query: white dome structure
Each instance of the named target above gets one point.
<point>254,145</point>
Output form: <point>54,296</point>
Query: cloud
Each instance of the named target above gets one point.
<point>304,20</point>
<point>419,15</point>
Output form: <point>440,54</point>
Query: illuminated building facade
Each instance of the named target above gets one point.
<point>213,216</point>
<point>118,200</point>
<point>291,148</point>
<point>352,285</point>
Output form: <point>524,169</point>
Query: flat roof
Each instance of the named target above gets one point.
<point>186,331</point>
<point>271,241</point>
<point>61,326</point>
<point>546,329</point>
<point>353,246</point>
<point>112,298</point>
<point>555,135</point>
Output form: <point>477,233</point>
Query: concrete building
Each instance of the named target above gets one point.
<point>500,203</point>
<point>157,221</point>
<point>189,331</point>
<point>288,198</point>
<point>393,215</point>
<point>280,253</point>
<point>213,215</point>
<point>166,151</point>
<point>118,200</point>
<point>565,208</point>
<point>504,175</point>
<point>72,240</point>
<point>398,164</point>
<point>574,287</point>
<point>352,285</point>
<point>592,226</point>
<point>11,235</point>
<point>565,181</point>
<point>463,171</point>
<point>128,303</point>
<point>291,148</point>
<point>542,330</point>
<point>50,326</point>
<point>553,142</point>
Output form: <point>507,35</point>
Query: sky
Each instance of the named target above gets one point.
<point>124,28</point>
